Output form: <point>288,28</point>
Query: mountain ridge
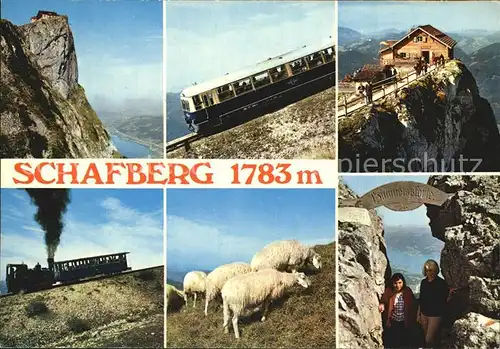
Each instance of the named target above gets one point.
<point>45,113</point>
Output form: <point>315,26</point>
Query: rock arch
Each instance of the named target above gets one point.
<point>464,213</point>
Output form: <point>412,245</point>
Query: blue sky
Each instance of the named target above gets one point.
<point>118,46</point>
<point>208,39</point>
<point>97,222</point>
<point>454,16</point>
<point>363,184</point>
<point>210,227</point>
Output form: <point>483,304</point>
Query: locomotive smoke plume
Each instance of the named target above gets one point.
<point>51,204</point>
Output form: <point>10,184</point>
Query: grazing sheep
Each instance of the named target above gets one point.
<point>218,277</point>
<point>194,283</point>
<point>248,291</point>
<point>284,255</point>
<point>175,298</point>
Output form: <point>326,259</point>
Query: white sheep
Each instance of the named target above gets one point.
<point>175,297</point>
<point>218,277</point>
<point>194,283</point>
<point>285,255</point>
<point>248,291</point>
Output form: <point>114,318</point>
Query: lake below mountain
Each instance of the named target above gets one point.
<point>131,149</point>
<point>408,248</point>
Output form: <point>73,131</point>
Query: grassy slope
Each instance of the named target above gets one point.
<point>119,310</point>
<point>305,129</point>
<point>304,318</point>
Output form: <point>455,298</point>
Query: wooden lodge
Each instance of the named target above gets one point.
<point>422,41</point>
<point>42,15</point>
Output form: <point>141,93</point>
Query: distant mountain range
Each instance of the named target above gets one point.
<point>148,128</point>
<point>177,284</point>
<point>176,126</point>
<point>178,276</point>
<point>478,49</point>
<point>408,247</point>
<point>412,239</point>
<point>485,66</point>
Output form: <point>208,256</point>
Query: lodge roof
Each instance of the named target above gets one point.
<point>367,73</point>
<point>42,12</point>
<point>389,42</point>
<point>429,29</point>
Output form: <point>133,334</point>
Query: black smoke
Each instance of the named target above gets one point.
<point>51,204</point>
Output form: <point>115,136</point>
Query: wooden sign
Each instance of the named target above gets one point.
<point>400,196</point>
<point>403,196</point>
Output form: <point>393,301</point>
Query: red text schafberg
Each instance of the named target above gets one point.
<point>109,172</point>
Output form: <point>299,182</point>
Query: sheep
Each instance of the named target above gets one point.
<point>284,255</point>
<point>218,277</point>
<point>247,291</point>
<point>175,298</point>
<point>194,283</point>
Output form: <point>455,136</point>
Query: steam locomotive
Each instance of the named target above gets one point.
<point>21,278</point>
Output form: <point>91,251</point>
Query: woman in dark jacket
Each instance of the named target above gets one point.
<point>434,294</point>
<point>398,307</point>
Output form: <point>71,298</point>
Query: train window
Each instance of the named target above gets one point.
<point>314,60</point>
<point>185,105</point>
<point>243,86</point>
<point>197,102</point>
<point>225,92</point>
<point>278,73</point>
<point>328,54</point>
<point>298,66</point>
<point>261,79</point>
<point>207,99</point>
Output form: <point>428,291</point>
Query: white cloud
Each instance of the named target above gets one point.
<point>205,245</point>
<point>114,71</point>
<point>35,229</point>
<point>125,230</point>
<point>197,57</point>
<point>384,15</point>
<point>11,211</point>
<point>20,196</point>
<point>117,80</point>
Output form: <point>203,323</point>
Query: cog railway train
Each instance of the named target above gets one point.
<point>261,88</point>
<point>21,278</point>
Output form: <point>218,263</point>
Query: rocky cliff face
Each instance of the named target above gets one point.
<point>440,117</point>
<point>44,111</point>
<point>469,225</point>
<point>305,129</point>
<point>363,269</point>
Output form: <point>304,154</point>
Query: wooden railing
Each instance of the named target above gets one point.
<point>387,86</point>
<point>399,61</point>
<point>347,86</point>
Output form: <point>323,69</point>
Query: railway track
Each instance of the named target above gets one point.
<point>183,141</point>
<point>101,277</point>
